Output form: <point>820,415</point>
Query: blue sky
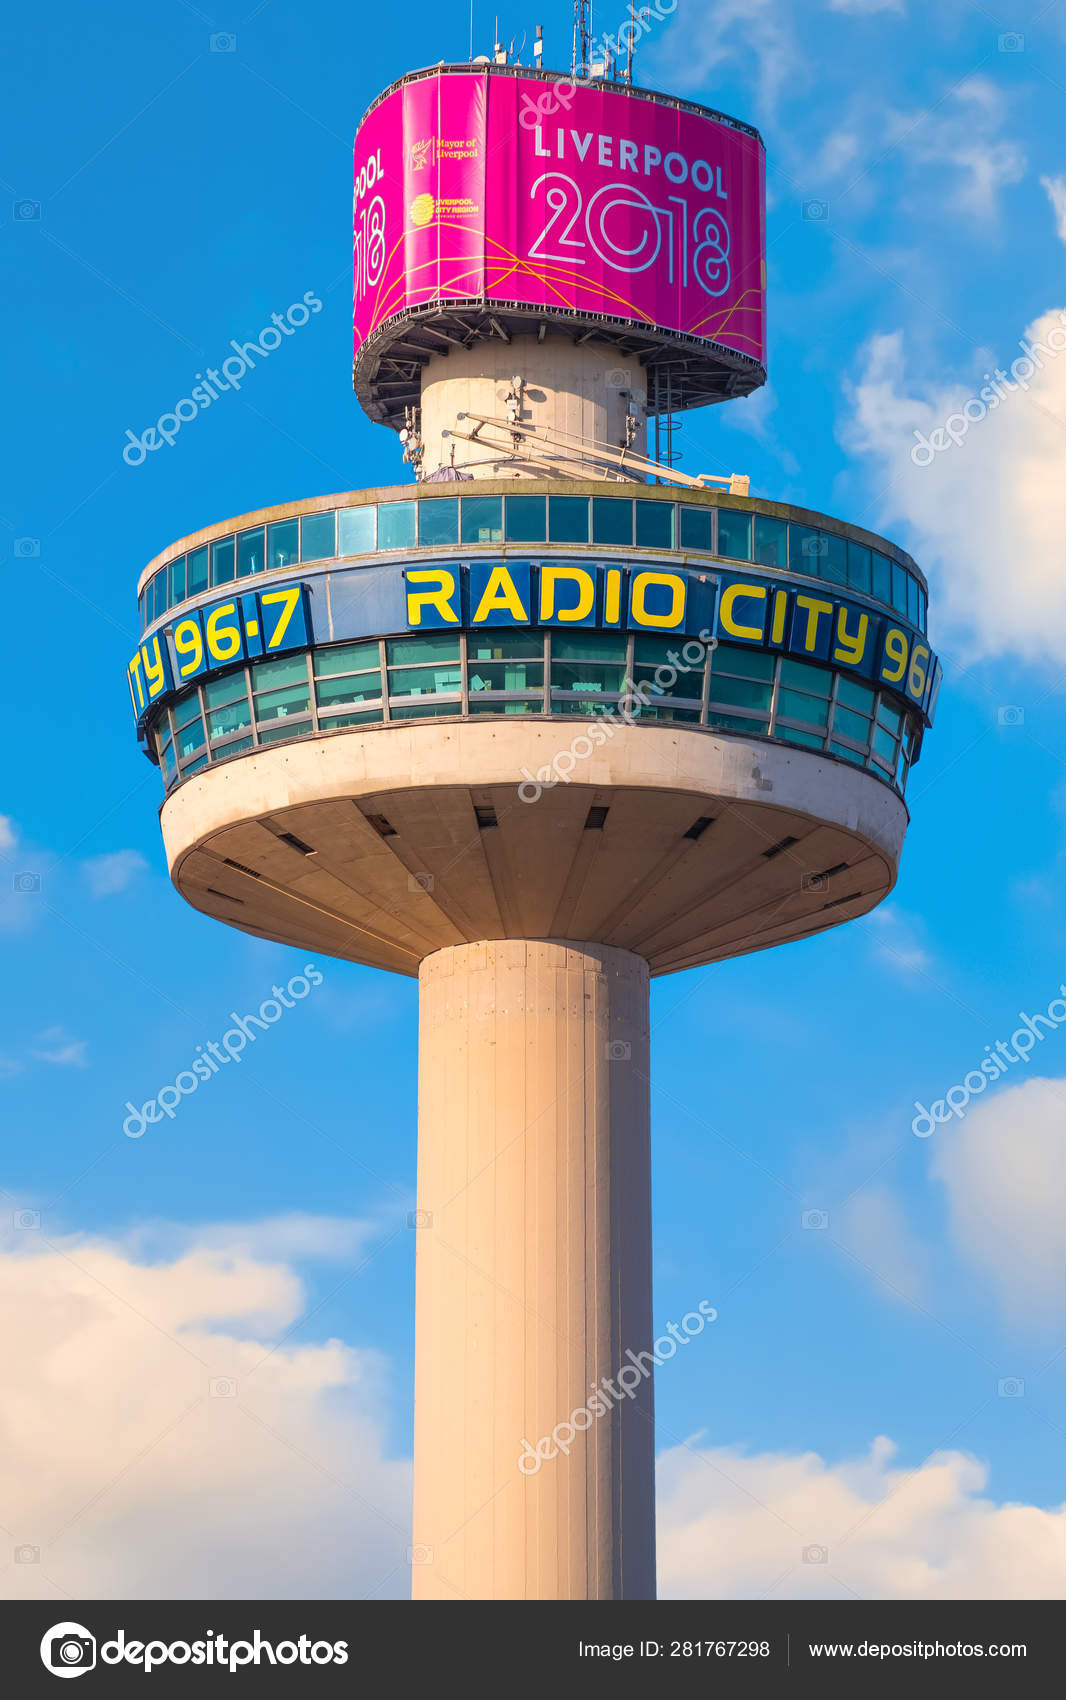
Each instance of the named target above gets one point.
<point>916,223</point>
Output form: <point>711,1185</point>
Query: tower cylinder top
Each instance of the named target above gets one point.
<point>497,202</point>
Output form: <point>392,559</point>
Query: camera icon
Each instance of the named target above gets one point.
<point>223,42</point>
<point>420,1555</point>
<point>26,1554</point>
<point>816,1555</point>
<point>1010,1388</point>
<point>814,882</point>
<point>619,378</point>
<point>27,1218</point>
<point>68,1649</point>
<point>420,1218</point>
<point>1009,714</point>
<point>26,211</point>
<point>27,548</point>
<point>221,1387</point>
<point>815,1219</point>
<point>816,211</point>
<point>420,882</point>
<point>26,882</point>
<point>618,1050</point>
<point>815,547</point>
<point>1010,43</point>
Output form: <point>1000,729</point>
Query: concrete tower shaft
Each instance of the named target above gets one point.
<point>534,1276</point>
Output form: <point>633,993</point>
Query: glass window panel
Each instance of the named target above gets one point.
<point>279,705</point>
<point>333,722</point>
<point>425,681</point>
<point>352,687</point>
<point>527,519</point>
<point>142,602</point>
<point>233,749</point>
<point>177,580</point>
<point>166,764</point>
<point>396,525</point>
<point>219,692</point>
<point>231,719</point>
<point>655,525</point>
<point>197,574</point>
<point>438,521</point>
<point>287,670</point>
<point>739,723</point>
<point>889,719</point>
<point>696,528</point>
<point>749,663</point>
<point>851,725</point>
<point>194,766</point>
<point>222,560</point>
<point>250,552</point>
<point>482,519</point>
<point>834,558</point>
<point>568,519</point>
<point>810,739</point>
<point>284,729</point>
<point>859,567</point>
<point>600,646</point>
<point>921,608</point>
<point>849,755</point>
<point>505,676</point>
<point>771,541</point>
<point>740,693</point>
<point>432,646</point>
<point>801,676</point>
<point>807,549</point>
<point>855,696</point>
<point>186,709</point>
<point>587,676</point>
<point>345,658</point>
<point>796,705</point>
<point>190,737</point>
<point>884,745</point>
<point>589,707</point>
<point>612,519</point>
<point>734,535</point>
<point>522,705</point>
<point>424,711</point>
<point>899,588</point>
<point>283,543</point>
<point>882,575</point>
<point>912,600</point>
<point>685,686</point>
<point>357,530</point>
<point>163,734</point>
<point>159,594</point>
<point>664,710</point>
<point>505,645</point>
<point>316,537</point>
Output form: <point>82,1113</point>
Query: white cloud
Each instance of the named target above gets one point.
<point>875,1230</point>
<point>56,1045</point>
<point>1056,194</point>
<point>8,835</point>
<point>1003,1168</point>
<point>111,873</point>
<point>732,1526</point>
<point>755,34</point>
<point>135,1481</point>
<point>996,496</point>
<point>961,133</point>
<point>897,940</point>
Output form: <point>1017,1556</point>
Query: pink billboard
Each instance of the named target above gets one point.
<point>473,186</point>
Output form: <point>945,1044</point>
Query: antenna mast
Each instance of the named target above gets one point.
<point>579,58</point>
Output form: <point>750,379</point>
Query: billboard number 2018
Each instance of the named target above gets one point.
<point>707,234</point>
